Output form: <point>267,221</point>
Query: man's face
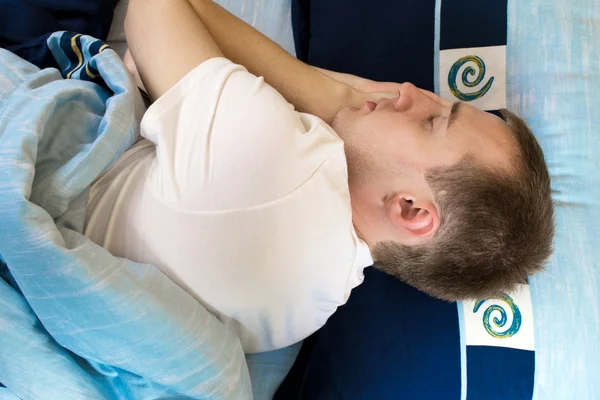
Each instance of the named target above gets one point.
<point>392,144</point>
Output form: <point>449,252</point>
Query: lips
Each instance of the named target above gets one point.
<point>370,106</point>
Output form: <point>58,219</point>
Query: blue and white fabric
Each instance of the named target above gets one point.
<point>76,322</point>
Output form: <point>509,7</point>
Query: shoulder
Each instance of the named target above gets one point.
<point>228,140</point>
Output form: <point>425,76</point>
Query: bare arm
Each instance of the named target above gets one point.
<point>168,39</point>
<point>307,89</point>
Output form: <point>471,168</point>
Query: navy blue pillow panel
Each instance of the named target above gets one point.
<point>25,25</point>
<point>382,40</point>
<point>499,373</point>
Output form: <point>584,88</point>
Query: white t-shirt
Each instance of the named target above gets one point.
<point>241,201</point>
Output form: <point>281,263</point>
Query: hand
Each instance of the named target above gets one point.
<point>374,90</point>
<point>376,96</point>
<point>363,85</point>
<point>367,85</point>
<point>362,89</point>
<point>369,90</point>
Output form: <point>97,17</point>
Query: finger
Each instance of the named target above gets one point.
<point>376,96</point>
<point>390,87</point>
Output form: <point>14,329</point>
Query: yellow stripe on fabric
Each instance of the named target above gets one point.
<point>77,53</point>
<point>87,71</point>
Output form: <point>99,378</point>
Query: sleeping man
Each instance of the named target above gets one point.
<point>264,187</point>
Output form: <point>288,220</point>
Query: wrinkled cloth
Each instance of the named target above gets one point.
<point>76,322</point>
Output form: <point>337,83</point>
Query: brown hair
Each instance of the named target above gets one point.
<point>496,227</point>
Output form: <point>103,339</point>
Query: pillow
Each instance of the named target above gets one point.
<point>390,341</point>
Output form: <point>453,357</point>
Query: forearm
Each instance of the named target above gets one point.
<point>306,88</point>
<point>167,41</point>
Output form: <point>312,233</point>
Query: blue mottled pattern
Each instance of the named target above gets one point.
<point>88,325</point>
<point>554,82</point>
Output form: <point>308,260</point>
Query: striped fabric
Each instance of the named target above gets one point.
<point>75,57</point>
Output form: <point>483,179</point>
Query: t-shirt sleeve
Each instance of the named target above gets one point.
<point>227,140</point>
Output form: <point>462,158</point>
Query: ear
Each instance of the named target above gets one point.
<point>417,217</point>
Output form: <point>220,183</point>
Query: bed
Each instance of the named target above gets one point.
<point>48,351</point>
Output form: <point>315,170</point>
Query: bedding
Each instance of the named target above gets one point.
<point>75,321</point>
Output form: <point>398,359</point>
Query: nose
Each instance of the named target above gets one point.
<point>411,98</point>
<point>406,96</point>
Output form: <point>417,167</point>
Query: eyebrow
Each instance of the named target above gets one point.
<point>453,114</point>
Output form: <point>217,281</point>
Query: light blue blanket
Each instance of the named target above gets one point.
<point>76,322</point>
